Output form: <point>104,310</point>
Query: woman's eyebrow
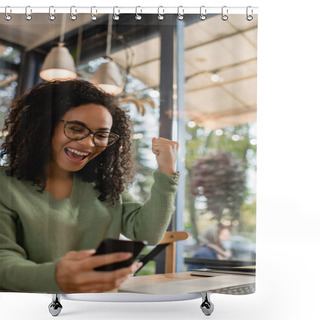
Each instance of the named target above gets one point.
<point>83,124</point>
<point>103,129</point>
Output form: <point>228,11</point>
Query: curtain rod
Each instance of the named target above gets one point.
<point>138,10</point>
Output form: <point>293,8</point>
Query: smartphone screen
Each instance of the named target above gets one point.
<point>115,245</point>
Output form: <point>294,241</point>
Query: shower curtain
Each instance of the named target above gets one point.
<point>183,74</point>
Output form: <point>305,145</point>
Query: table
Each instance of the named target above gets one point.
<point>163,287</point>
<point>183,283</point>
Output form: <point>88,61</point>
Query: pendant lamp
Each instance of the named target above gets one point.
<point>107,76</point>
<point>58,64</point>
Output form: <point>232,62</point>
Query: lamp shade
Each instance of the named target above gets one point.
<point>58,65</point>
<point>108,78</point>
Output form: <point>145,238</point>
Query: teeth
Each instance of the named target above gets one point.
<point>78,152</point>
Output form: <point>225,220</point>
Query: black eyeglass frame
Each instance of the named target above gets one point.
<point>114,135</point>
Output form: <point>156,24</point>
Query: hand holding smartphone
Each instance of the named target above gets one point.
<point>115,245</point>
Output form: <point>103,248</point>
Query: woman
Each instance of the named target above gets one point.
<point>68,156</point>
<point>215,241</point>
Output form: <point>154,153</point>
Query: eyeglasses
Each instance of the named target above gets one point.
<point>75,130</point>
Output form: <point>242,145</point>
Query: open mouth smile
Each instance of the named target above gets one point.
<point>76,155</point>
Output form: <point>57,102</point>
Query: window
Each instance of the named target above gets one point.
<point>220,192</point>
<point>9,61</point>
<point>220,142</point>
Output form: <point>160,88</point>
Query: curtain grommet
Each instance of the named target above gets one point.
<point>7,16</point>
<point>52,11</point>
<point>138,16</point>
<point>93,15</point>
<point>224,13</point>
<point>180,13</point>
<point>73,13</point>
<point>115,15</point>
<point>249,17</point>
<point>203,13</point>
<point>28,13</point>
<point>160,14</point>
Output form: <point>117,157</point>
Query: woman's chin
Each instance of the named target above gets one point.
<point>73,166</point>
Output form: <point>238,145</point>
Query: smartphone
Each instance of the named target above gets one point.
<point>116,245</point>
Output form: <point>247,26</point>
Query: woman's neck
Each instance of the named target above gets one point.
<point>59,183</point>
<point>60,188</point>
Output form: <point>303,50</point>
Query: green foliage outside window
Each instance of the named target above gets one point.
<point>221,188</point>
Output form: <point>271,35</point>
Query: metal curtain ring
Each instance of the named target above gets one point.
<point>138,16</point>
<point>249,17</point>
<point>73,15</point>
<point>180,12</point>
<point>160,15</point>
<point>93,15</point>
<point>27,15</point>
<point>116,14</point>
<point>203,13</point>
<point>52,10</point>
<point>224,13</point>
<point>6,14</point>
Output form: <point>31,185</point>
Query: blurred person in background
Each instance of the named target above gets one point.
<point>216,245</point>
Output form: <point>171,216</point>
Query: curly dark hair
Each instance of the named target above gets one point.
<point>31,122</point>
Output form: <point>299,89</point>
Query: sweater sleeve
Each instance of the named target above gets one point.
<point>149,222</point>
<point>17,273</point>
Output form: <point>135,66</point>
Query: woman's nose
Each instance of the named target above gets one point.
<point>87,141</point>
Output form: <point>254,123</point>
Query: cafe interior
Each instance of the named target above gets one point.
<point>192,80</point>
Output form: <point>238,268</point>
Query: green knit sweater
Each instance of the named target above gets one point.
<point>36,229</point>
